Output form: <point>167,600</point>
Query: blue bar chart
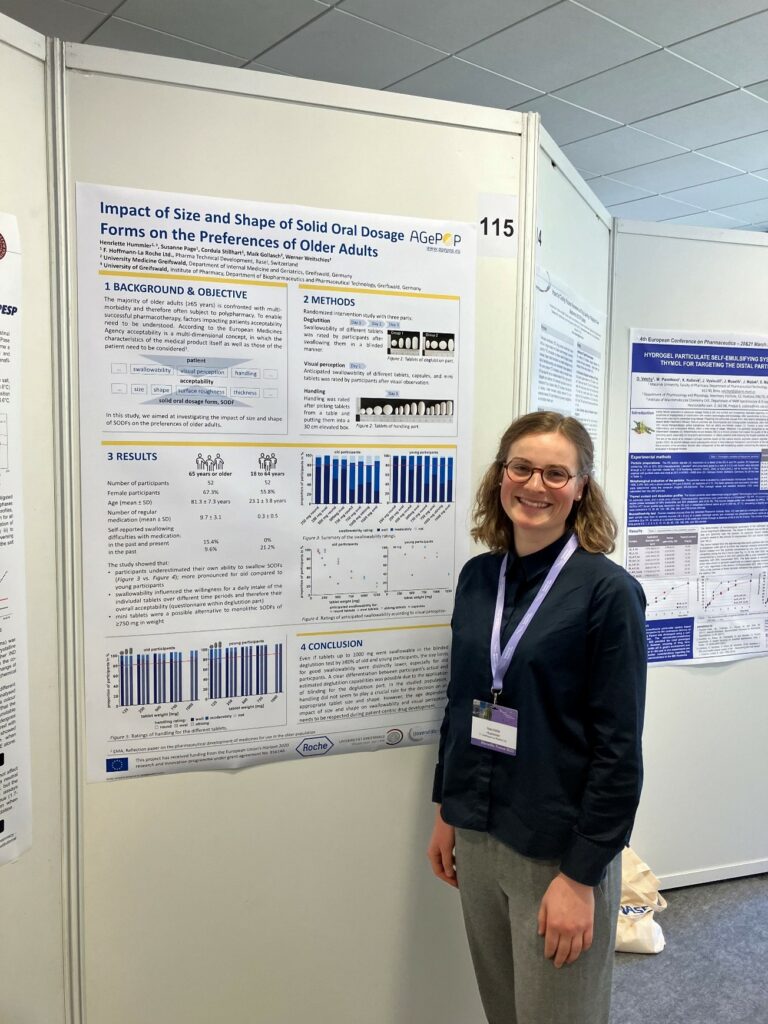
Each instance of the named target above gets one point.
<point>418,476</point>
<point>244,670</point>
<point>217,671</point>
<point>158,677</point>
<point>346,480</point>
<point>421,478</point>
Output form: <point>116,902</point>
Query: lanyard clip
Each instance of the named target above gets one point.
<point>495,696</point>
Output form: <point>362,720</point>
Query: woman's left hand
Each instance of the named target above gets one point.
<point>566,918</point>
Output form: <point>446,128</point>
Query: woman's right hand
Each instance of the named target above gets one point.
<point>441,851</point>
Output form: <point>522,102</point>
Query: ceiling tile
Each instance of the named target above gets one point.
<point>342,48</point>
<point>760,89</point>
<point>566,122</point>
<point>736,51</point>
<point>608,191</point>
<point>455,79</point>
<point>676,172</point>
<point>123,35</point>
<point>706,219</point>
<point>709,121</point>
<point>667,21</point>
<point>105,6</point>
<point>748,154</point>
<point>557,47</point>
<point>758,227</point>
<point>245,29</point>
<point>750,213</point>
<point>70,22</point>
<point>617,150</point>
<point>643,87</point>
<point>652,208</point>
<point>744,188</point>
<point>448,25</point>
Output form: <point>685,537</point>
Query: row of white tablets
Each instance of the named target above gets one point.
<point>410,409</point>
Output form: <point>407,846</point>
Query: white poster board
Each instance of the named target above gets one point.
<point>570,296</point>
<point>252,830</point>
<point>35,979</point>
<point>705,763</point>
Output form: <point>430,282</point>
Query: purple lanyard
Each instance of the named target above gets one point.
<point>500,659</point>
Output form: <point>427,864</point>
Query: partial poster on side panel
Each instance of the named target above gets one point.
<point>275,415</point>
<point>15,781</point>
<point>568,365</point>
<point>697,494</point>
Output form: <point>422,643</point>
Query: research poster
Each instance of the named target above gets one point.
<point>275,406</point>
<point>568,356</point>
<point>15,774</point>
<point>697,495</point>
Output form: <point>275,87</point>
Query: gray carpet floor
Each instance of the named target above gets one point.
<point>714,969</point>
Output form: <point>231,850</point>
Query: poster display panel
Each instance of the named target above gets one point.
<point>697,494</point>
<point>568,356</point>
<point>15,765</point>
<point>274,420</point>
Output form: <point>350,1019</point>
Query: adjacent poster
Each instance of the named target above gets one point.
<point>568,356</point>
<point>275,413</point>
<point>697,494</point>
<point>15,777</point>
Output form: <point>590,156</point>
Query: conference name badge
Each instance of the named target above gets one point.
<point>494,727</point>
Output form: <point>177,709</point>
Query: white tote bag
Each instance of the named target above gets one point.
<point>637,931</point>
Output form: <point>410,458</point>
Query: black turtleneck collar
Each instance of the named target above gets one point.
<point>527,567</point>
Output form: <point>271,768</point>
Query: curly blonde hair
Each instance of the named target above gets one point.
<point>590,518</point>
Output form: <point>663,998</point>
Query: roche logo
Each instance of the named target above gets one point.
<point>312,746</point>
<point>425,732</point>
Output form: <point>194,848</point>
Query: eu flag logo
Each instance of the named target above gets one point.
<point>117,764</point>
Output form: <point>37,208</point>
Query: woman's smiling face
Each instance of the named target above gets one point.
<point>539,513</point>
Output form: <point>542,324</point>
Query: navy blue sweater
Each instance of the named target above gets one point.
<point>577,681</point>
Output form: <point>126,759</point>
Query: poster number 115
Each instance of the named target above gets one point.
<point>498,227</point>
<point>497,223</point>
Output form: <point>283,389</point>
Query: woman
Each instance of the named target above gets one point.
<point>539,768</point>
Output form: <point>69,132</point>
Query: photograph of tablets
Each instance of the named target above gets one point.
<point>397,409</point>
<point>403,343</point>
<point>439,344</point>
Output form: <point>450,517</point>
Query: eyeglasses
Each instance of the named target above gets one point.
<point>520,472</point>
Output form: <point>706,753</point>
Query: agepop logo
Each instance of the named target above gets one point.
<point>444,241</point>
<point>3,247</point>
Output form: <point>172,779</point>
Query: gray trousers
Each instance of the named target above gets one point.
<point>500,896</point>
